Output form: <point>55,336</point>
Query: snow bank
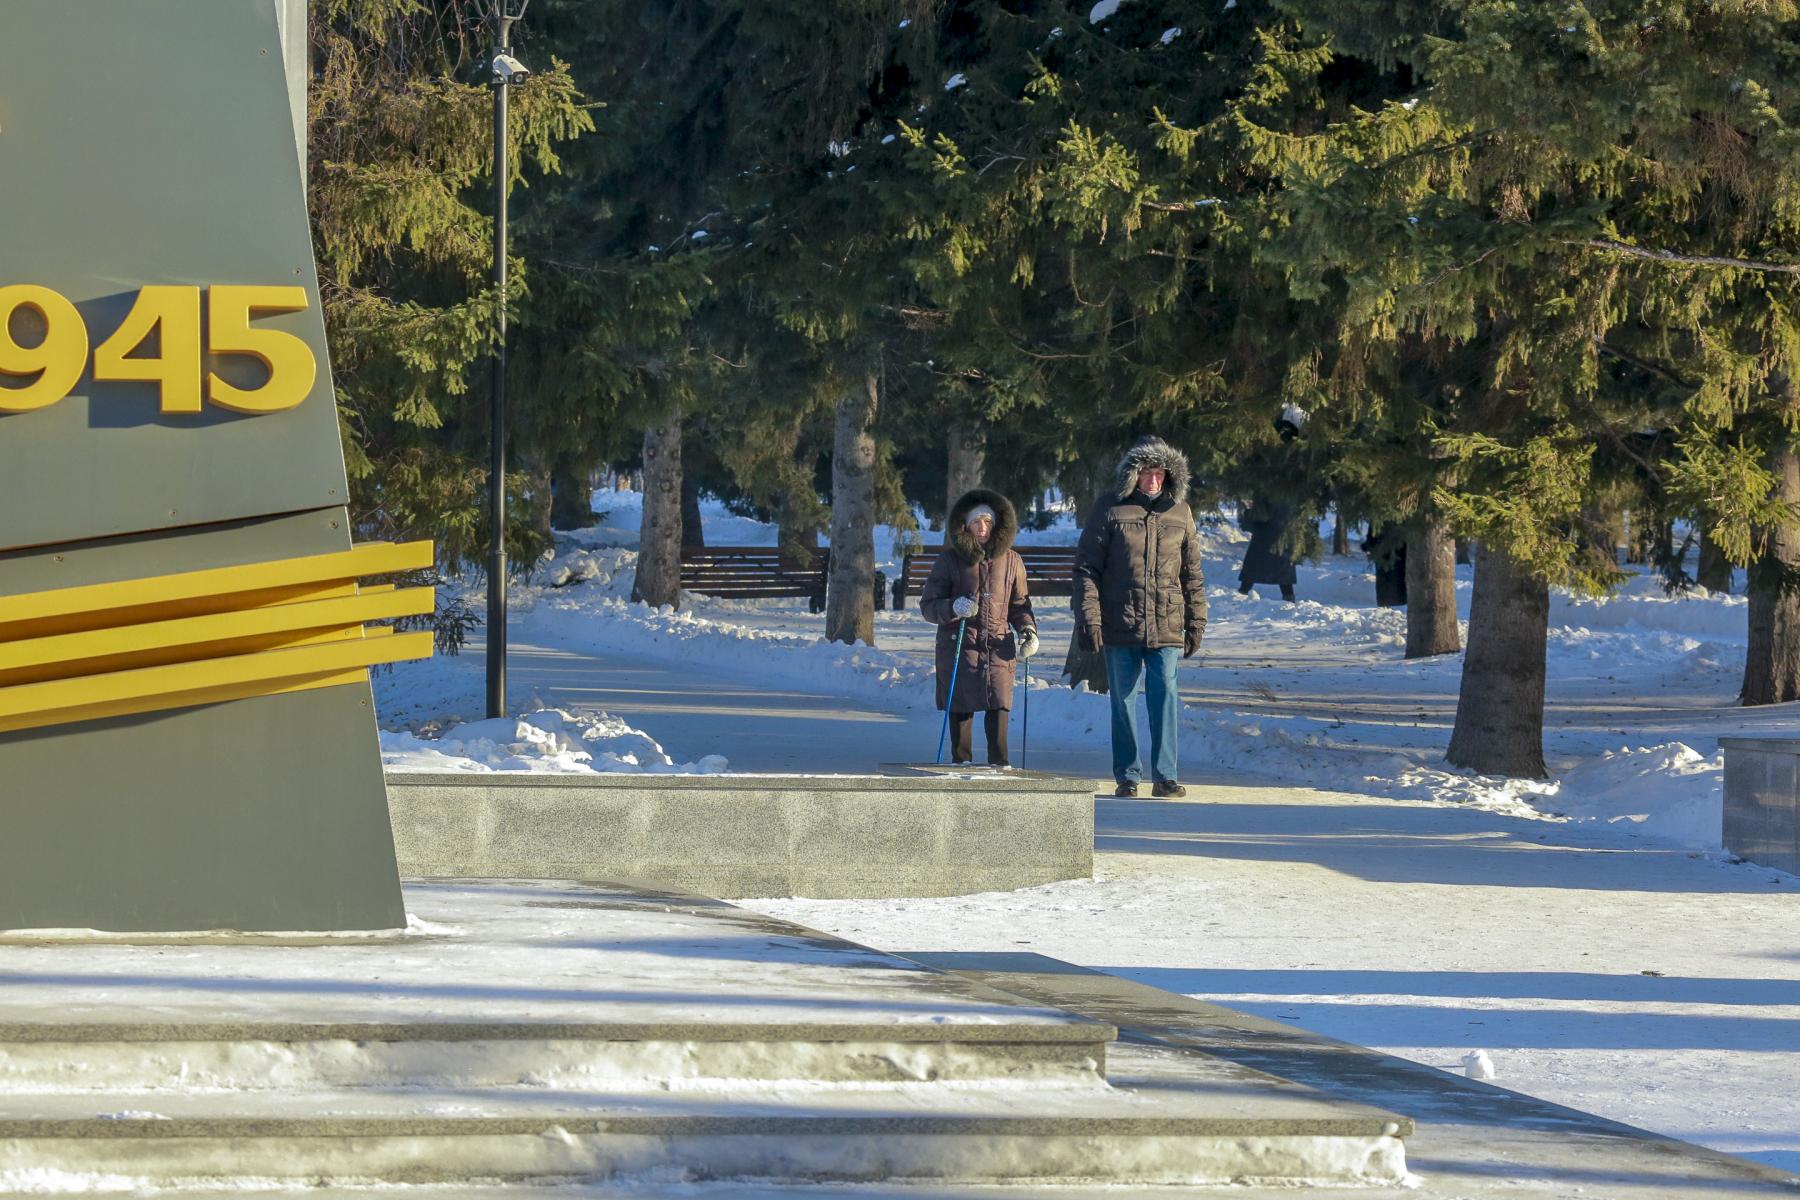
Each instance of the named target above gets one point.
<point>1669,793</point>
<point>549,740</point>
<point>1312,693</point>
<point>1664,793</point>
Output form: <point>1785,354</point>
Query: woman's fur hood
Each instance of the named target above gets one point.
<point>1006,526</point>
<point>1151,451</point>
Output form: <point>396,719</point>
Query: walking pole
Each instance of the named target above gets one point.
<point>1025,737</point>
<point>962,627</point>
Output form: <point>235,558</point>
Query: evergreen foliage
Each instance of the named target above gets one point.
<point>399,150</point>
<point>1525,266</point>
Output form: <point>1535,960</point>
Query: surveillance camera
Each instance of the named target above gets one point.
<point>508,69</point>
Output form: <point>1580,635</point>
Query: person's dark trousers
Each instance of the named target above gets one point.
<point>1129,668</point>
<point>962,736</point>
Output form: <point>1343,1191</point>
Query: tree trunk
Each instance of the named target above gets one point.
<point>1430,589</point>
<point>1772,660</point>
<point>1660,542</point>
<point>1340,535</point>
<point>1086,481</point>
<point>691,532</point>
<point>1500,711</point>
<point>1714,571</point>
<point>1465,554</point>
<point>849,592</point>
<point>659,536</point>
<point>797,537</point>
<point>966,463</point>
<point>571,498</point>
<point>1631,535</point>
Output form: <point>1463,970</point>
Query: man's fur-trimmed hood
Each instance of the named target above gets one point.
<point>1151,451</point>
<point>1006,526</point>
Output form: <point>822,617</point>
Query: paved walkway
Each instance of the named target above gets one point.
<point>1651,986</point>
<point>758,727</point>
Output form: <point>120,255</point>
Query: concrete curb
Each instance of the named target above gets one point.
<point>828,837</point>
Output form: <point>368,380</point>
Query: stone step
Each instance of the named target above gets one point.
<point>276,1056</point>
<point>1167,1117</point>
<point>1471,1140</point>
<point>502,983</point>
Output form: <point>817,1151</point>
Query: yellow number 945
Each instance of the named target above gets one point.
<point>173,315</point>
<point>57,360</point>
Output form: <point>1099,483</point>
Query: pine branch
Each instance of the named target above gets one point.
<point>1684,260</point>
<point>1644,364</point>
<point>1447,271</point>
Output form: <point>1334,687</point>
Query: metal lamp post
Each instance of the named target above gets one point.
<point>507,71</point>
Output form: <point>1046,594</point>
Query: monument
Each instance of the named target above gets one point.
<point>187,736</point>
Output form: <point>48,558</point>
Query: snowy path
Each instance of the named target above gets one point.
<point>1653,987</point>
<point>757,725</point>
<point>1647,984</point>
<point>1368,894</point>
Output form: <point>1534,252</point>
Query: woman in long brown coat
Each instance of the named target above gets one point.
<point>978,585</point>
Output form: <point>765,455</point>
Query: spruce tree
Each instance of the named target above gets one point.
<point>399,166</point>
<point>1591,199</point>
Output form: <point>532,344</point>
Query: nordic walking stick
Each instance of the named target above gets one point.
<point>1025,734</point>
<point>962,627</point>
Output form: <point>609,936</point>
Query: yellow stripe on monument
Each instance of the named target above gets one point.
<point>213,585</point>
<point>90,693</point>
<point>213,636</point>
<point>214,695</point>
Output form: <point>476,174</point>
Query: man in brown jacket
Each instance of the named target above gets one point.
<point>1140,598</point>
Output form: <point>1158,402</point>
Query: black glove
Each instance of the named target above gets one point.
<point>1190,643</point>
<point>1090,639</point>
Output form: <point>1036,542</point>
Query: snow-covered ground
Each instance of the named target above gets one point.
<point>1648,986</point>
<point>1641,685</point>
<point>1585,930</point>
<point>549,739</point>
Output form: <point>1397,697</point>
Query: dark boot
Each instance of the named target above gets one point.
<point>962,740</point>
<point>994,724</point>
<point>1126,789</point>
<point>1167,789</point>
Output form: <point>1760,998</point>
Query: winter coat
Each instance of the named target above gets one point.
<point>994,574</point>
<point>1267,524</point>
<point>1137,570</point>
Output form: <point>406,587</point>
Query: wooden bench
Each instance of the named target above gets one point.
<point>754,573</point>
<point>760,572</point>
<point>1049,570</point>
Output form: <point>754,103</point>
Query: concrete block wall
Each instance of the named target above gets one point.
<point>828,837</point>
<point>1762,800</point>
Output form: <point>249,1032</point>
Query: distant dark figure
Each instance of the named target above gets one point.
<point>1266,521</point>
<point>1386,548</point>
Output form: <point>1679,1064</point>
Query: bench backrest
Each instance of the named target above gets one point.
<point>751,572</point>
<point>1047,570</point>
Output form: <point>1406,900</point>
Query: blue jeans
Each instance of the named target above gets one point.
<point>1126,668</point>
